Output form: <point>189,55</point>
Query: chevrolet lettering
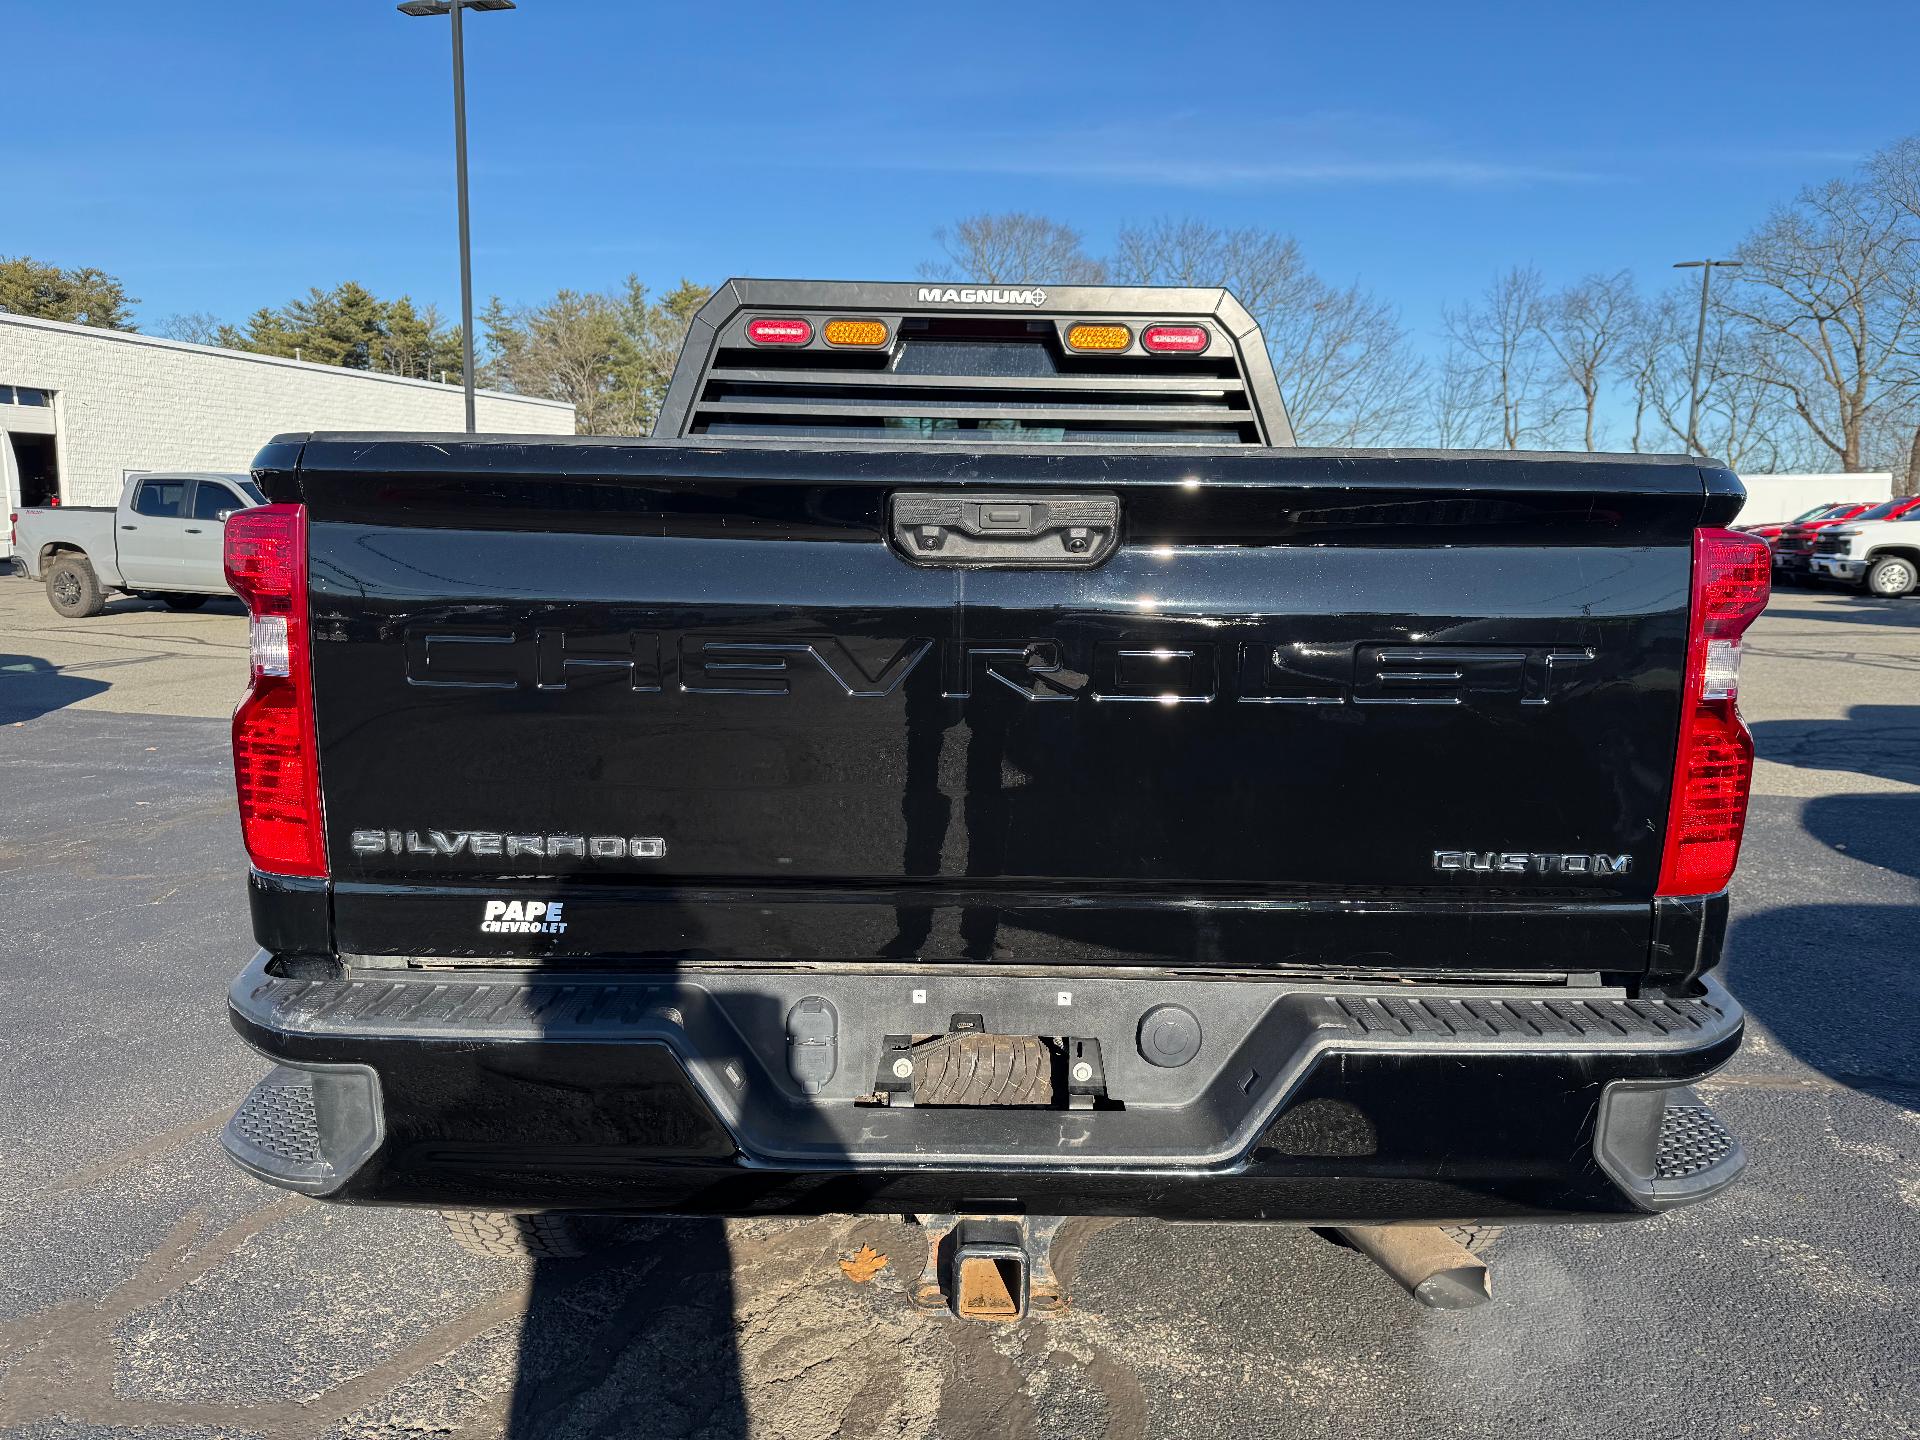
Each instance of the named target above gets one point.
<point>1176,667</point>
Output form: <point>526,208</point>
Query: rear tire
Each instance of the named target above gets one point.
<point>183,602</point>
<point>1476,1239</point>
<point>1892,576</point>
<point>493,1235</point>
<point>73,589</point>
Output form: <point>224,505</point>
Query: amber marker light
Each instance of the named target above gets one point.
<point>1099,337</point>
<point>861,333</point>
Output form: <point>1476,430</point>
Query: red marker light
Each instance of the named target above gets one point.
<point>786,331</point>
<point>1188,339</point>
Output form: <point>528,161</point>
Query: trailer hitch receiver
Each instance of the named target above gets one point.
<point>990,1267</point>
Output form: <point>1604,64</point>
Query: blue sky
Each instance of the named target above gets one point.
<point>220,156</point>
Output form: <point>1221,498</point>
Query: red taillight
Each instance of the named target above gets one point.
<point>785,331</point>
<point>275,760</point>
<point>1182,339</point>
<point>1714,771</point>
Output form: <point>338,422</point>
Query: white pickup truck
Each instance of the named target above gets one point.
<point>163,539</point>
<point>1878,551</point>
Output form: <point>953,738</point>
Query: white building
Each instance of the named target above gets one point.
<point>81,407</point>
<point>1782,497</point>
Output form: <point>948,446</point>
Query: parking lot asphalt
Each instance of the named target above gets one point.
<point>147,1287</point>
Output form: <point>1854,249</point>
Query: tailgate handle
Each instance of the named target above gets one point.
<point>1072,531</point>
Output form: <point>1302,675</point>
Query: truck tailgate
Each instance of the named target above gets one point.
<point>1326,710</point>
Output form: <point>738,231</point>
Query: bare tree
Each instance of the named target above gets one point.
<point>1341,357</point>
<point>1585,326</point>
<point>1828,293</point>
<point>1742,420</point>
<point>1457,416</point>
<point>197,327</point>
<point>1354,380</point>
<point>1889,442</point>
<point>1013,249</point>
<point>1642,371</point>
<point>1499,345</point>
<point>1895,173</point>
<point>1263,268</point>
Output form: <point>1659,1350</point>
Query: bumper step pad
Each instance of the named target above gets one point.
<point>1692,1142</point>
<point>278,1119</point>
<point>307,1129</point>
<point>1666,1148</point>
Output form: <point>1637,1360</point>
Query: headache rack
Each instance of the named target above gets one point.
<point>839,361</point>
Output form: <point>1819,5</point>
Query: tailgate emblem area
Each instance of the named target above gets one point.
<point>1020,530</point>
<point>499,845</point>
<point>1532,862</point>
<point>524,917</point>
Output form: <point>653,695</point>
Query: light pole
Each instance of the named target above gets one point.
<point>1706,269</point>
<point>453,8</point>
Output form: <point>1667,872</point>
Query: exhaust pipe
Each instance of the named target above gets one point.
<point>1428,1263</point>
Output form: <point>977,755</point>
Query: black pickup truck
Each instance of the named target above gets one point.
<point>970,764</point>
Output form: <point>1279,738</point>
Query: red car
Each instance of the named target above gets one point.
<point>1793,548</point>
<point>1831,511</point>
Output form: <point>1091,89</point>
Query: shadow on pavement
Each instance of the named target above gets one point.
<point>1878,740</point>
<point>31,687</point>
<point>636,1342</point>
<point>1860,609</point>
<point>1826,981</point>
<point>1881,830</point>
<point>639,1337</point>
<point>209,605</point>
<point>1836,984</point>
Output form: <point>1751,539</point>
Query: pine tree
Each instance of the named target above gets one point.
<point>82,296</point>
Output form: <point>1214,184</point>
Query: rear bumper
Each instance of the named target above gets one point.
<point>675,1094</point>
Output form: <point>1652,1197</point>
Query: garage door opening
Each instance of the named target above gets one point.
<point>35,463</point>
